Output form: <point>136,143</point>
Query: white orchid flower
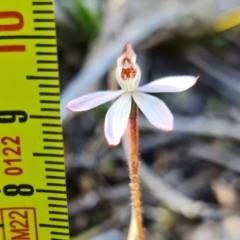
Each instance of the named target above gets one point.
<point>128,76</point>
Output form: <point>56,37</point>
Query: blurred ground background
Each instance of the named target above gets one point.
<point>190,177</point>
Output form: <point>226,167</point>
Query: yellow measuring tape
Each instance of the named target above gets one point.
<point>227,20</point>
<point>33,202</point>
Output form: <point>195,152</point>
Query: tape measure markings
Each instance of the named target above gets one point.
<point>57,199</point>
<point>53,147</point>
<point>44,20</point>
<point>42,3</point>
<point>51,125</point>
<point>45,45</point>
<point>47,70</point>
<point>52,140</point>
<point>52,132</point>
<point>55,177</point>
<point>54,170</point>
<point>47,53</point>
<point>44,29</point>
<point>48,155</point>
<point>45,117</point>
<point>43,12</point>
<point>27,37</point>
<point>59,233</point>
<point>54,163</point>
<point>41,78</point>
<point>50,191</point>
<point>46,62</point>
<point>56,184</point>
<point>49,102</point>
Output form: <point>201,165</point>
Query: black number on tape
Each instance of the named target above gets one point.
<point>12,190</point>
<point>11,116</point>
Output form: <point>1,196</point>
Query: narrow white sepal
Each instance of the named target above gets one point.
<point>117,119</point>
<point>155,110</point>
<point>92,100</point>
<point>169,84</point>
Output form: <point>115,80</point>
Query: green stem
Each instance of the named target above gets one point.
<point>134,169</point>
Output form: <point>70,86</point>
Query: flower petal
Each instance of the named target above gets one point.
<point>117,118</point>
<point>92,100</point>
<point>169,84</point>
<point>155,110</point>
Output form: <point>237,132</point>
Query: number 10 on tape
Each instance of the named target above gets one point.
<point>33,202</point>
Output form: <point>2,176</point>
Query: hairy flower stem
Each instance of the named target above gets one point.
<point>134,169</point>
